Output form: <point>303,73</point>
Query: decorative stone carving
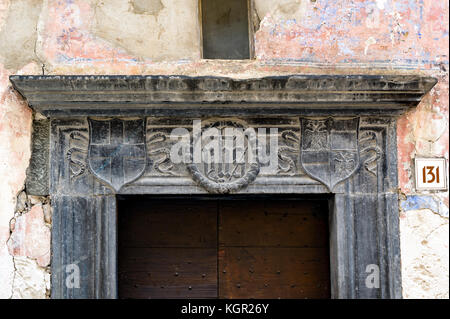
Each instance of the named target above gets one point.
<point>37,182</point>
<point>329,149</point>
<point>117,150</point>
<point>77,153</point>
<point>161,162</point>
<point>226,175</point>
<point>288,153</point>
<point>369,150</point>
<point>274,137</point>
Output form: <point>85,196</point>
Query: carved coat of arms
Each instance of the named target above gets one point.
<point>330,149</point>
<point>117,151</point>
<point>234,167</point>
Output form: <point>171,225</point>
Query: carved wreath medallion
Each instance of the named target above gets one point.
<point>228,162</point>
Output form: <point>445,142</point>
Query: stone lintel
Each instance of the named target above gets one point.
<point>61,95</point>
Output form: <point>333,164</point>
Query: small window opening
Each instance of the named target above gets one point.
<point>225,29</point>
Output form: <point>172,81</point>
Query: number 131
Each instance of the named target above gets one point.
<point>433,175</point>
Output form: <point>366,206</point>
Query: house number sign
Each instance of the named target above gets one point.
<point>431,174</point>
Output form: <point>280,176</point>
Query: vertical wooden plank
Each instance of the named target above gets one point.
<point>273,272</point>
<point>168,249</point>
<point>274,223</point>
<point>274,249</point>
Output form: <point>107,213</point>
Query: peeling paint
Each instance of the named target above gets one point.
<point>18,37</point>
<point>152,7</point>
<point>369,42</point>
<point>416,202</point>
<point>425,258</point>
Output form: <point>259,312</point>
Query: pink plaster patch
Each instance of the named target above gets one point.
<point>31,237</point>
<point>67,38</point>
<point>332,33</point>
<point>405,153</point>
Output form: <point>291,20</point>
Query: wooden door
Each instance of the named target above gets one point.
<point>273,249</point>
<point>168,249</point>
<point>223,249</point>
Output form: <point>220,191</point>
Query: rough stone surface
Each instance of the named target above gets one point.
<point>22,202</point>
<point>47,213</point>
<point>6,265</point>
<point>293,37</point>
<point>425,262</point>
<point>30,280</point>
<point>37,172</point>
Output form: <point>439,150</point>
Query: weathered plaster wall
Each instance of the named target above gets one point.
<point>162,37</point>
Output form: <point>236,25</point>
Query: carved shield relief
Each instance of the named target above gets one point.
<point>330,149</point>
<point>117,151</point>
<point>225,176</point>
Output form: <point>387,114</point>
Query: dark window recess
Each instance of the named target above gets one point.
<point>225,29</point>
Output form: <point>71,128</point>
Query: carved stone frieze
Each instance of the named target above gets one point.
<point>273,144</point>
<point>118,151</point>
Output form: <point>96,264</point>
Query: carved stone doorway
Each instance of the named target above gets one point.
<point>107,136</point>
